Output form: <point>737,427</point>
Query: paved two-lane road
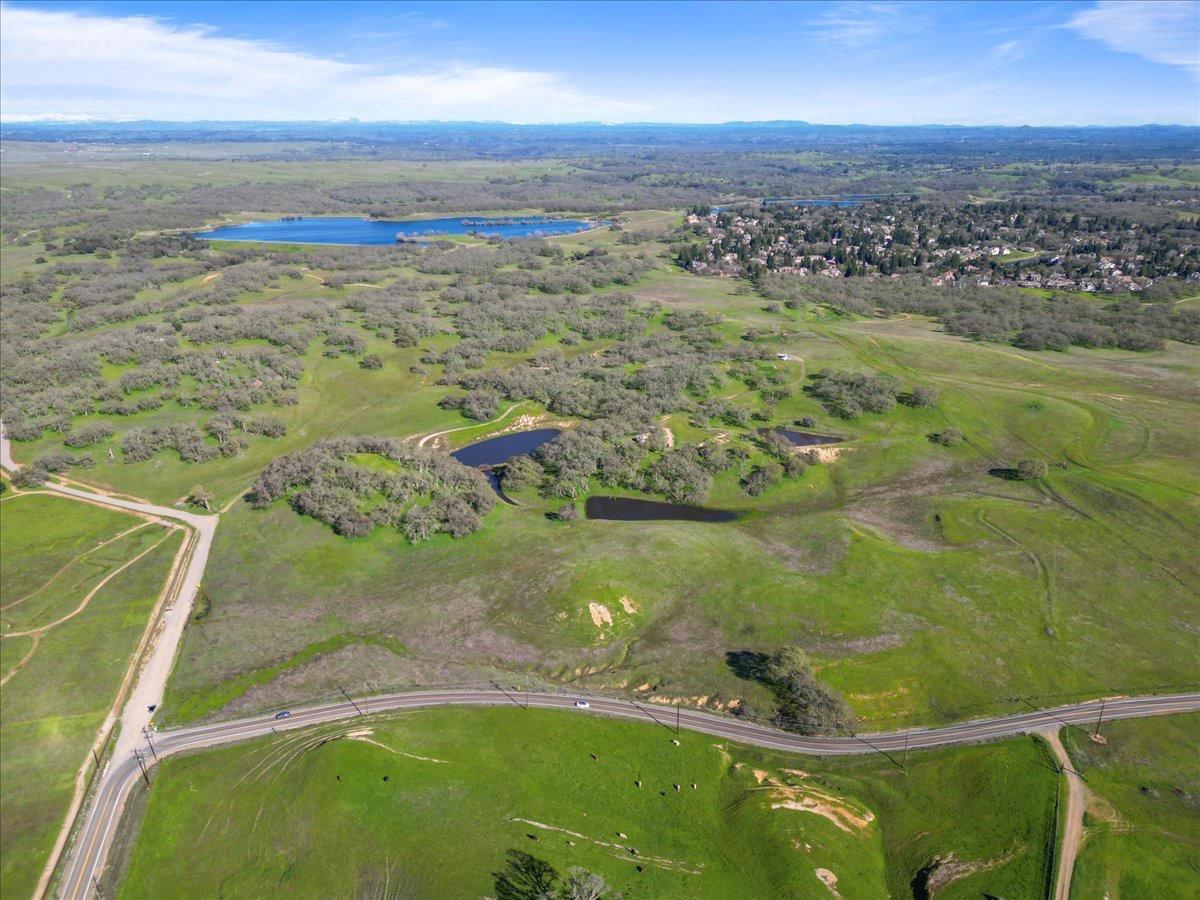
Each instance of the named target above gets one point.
<point>96,836</point>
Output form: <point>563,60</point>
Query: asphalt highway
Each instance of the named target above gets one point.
<point>93,842</point>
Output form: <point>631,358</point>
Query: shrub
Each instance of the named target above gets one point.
<point>92,433</point>
<point>29,477</point>
<point>1031,469</point>
<point>947,438</point>
<point>519,472</point>
<point>370,361</point>
<point>761,477</point>
<point>920,396</point>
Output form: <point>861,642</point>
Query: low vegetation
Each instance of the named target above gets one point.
<point>1141,825</point>
<point>524,799</point>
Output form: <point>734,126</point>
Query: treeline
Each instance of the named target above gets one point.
<point>1005,315</point>
<point>421,492</point>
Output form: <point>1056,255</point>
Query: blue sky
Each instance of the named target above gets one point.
<point>1008,63</point>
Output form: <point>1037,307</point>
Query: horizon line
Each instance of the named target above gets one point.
<point>51,120</point>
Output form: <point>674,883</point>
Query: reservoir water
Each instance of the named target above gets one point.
<point>359,231</point>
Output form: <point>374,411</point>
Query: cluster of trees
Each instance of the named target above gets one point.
<point>49,463</point>
<point>1002,314</point>
<point>850,394</point>
<point>804,704</point>
<point>419,491</point>
<point>621,455</point>
<point>526,877</point>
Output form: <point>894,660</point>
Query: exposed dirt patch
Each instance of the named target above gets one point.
<point>808,798</point>
<point>829,880</point>
<point>825,455</point>
<point>601,617</point>
<point>628,605</point>
<point>944,871</point>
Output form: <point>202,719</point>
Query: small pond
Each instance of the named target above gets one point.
<point>496,450</point>
<point>360,231</point>
<point>492,452</point>
<point>807,438</point>
<point>629,509</point>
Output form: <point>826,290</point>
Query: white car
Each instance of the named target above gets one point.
<point>582,704</point>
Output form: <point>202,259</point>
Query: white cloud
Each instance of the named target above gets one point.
<point>1162,31</point>
<point>62,64</point>
<point>1010,51</point>
<point>855,24</point>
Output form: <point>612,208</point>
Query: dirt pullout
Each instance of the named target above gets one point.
<point>829,880</point>
<point>601,617</point>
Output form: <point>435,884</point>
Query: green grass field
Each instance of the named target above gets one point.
<point>60,683</point>
<point>427,804</point>
<point>926,588</point>
<point>1143,818</point>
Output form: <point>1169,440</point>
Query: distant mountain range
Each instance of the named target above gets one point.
<point>506,139</point>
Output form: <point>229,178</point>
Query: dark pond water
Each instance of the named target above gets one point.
<point>628,509</point>
<point>355,230</point>
<point>808,438</point>
<point>493,451</point>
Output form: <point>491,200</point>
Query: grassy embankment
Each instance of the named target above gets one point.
<point>1142,826</point>
<point>428,803</point>
<point>60,683</point>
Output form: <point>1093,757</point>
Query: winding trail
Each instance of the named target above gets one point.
<point>83,604</point>
<point>421,442</point>
<point>86,553</point>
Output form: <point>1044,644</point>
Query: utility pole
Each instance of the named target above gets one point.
<point>677,718</point>
<point>95,880</point>
<point>149,743</point>
<point>142,765</point>
<point>1096,733</point>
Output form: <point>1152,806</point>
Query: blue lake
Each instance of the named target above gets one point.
<point>356,230</point>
